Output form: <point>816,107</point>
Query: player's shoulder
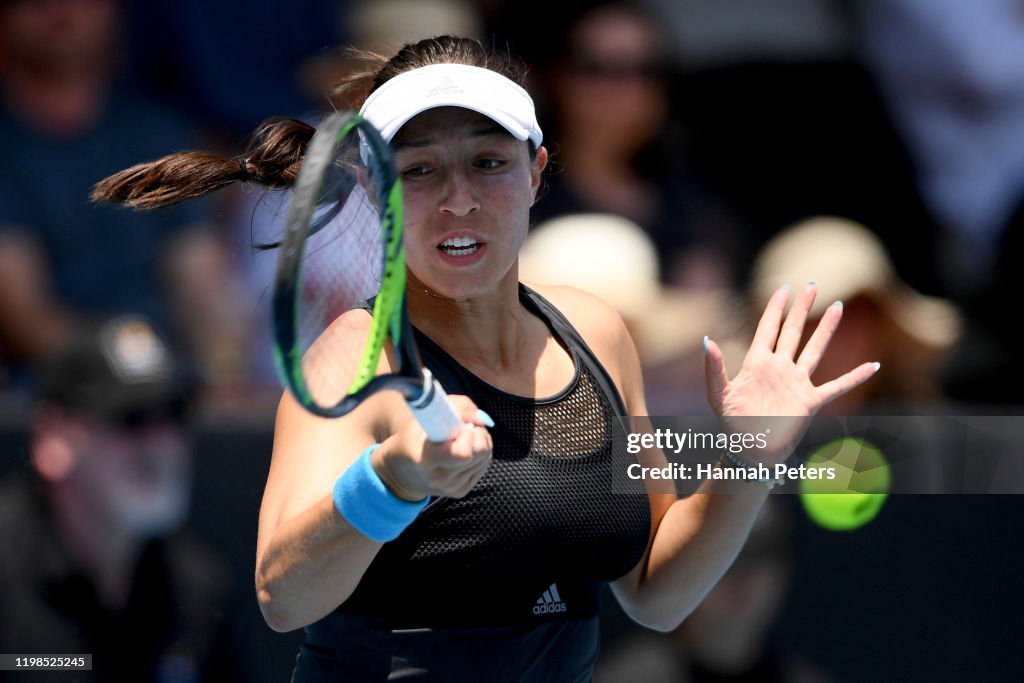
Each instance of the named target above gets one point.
<point>595,319</point>
<point>576,304</point>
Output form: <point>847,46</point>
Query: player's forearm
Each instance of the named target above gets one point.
<point>310,566</point>
<point>696,542</point>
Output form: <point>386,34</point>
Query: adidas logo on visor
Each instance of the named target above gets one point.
<point>445,86</point>
<point>550,602</point>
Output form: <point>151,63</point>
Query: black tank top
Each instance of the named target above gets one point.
<point>524,555</point>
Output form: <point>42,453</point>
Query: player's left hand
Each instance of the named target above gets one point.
<point>774,380</point>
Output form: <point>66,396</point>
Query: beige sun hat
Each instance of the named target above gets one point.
<point>614,259</point>
<point>846,260</point>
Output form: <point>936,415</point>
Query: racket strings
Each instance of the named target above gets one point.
<point>342,268</point>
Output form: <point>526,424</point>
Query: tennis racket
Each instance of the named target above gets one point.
<point>342,246</point>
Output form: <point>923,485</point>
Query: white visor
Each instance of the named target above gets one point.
<point>452,85</point>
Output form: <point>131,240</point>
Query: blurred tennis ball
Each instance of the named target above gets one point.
<point>858,491</point>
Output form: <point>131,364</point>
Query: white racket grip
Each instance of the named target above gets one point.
<point>433,411</point>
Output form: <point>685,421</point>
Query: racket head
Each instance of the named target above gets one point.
<point>342,247</point>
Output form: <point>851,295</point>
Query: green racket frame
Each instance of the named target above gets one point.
<point>390,314</point>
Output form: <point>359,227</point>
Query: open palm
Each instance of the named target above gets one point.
<point>774,380</point>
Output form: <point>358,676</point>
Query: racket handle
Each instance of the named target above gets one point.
<point>433,411</point>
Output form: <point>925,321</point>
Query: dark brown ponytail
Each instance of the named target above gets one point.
<point>272,159</point>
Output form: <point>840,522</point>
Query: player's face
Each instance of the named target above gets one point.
<point>468,188</point>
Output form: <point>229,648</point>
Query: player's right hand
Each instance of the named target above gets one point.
<point>413,467</point>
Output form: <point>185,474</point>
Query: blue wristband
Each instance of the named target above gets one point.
<point>369,506</point>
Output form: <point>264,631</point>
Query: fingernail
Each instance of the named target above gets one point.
<point>839,305</point>
<point>484,418</point>
<point>785,286</point>
<point>705,345</point>
<point>812,282</point>
<point>878,366</point>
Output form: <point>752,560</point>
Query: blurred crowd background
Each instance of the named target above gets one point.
<point>703,153</point>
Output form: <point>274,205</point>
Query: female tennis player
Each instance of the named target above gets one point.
<point>481,558</point>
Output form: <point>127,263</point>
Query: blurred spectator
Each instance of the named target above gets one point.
<point>615,260</point>
<point>729,636</point>
<point>65,125</point>
<point>94,563</point>
<point>608,128</point>
<point>782,123</point>
<point>951,72</point>
<point>952,76</point>
<point>884,320</point>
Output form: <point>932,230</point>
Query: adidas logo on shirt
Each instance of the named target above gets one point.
<point>550,602</point>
